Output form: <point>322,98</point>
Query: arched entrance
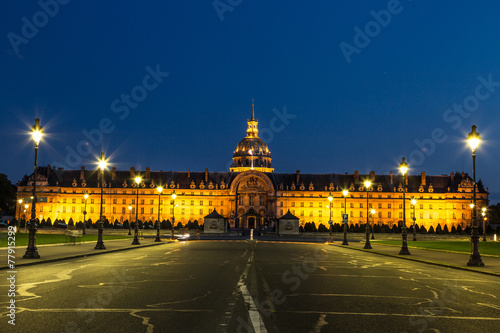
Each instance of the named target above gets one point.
<point>251,220</point>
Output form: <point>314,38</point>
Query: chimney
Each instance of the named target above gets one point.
<point>356,176</point>
<point>372,176</point>
<point>422,178</point>
<point>390,175</point>
<point>113,173</point>
<point>48,170</point>
<point>206,175</point>
<point>189,173</point>
<point>54,168</point>
<point>298,176</point>
<point>148,173</point>
<point>82,172</point>
<point>452,176</point>
<point>132,172</point>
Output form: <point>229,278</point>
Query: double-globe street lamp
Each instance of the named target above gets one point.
<point>100,244</point>
<point>373,211</point>
<point>129,220</point>
<point>367,229</point>
<point>475,258</point>
<point>414,204</point>
<point>483,213</point>
<point>136,227</point>
<point>330,222</point>
<point>159,189</point>
<point>31,250</point>
<point>345,193</point>
<point>403,167</point>
<point>85,197</point>
<point>173,214</point>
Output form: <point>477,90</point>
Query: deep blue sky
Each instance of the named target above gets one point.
<point>363,115</point>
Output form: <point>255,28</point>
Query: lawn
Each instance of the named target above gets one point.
<point>492,248</point>
<point>22,238</point>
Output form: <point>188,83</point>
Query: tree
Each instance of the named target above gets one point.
<point>431,230</point>
<point>322,228</point>
<point>71,223</point>
<point>439,230</point>
<point>48,223</point>
<point>179,225</point>
<point>445,230</point>
<point>7,196</point>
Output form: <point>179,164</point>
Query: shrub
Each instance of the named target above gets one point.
<point>431,230</point>
<point>423,230</point>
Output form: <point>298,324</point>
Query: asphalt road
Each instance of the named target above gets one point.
<point>235,286</point>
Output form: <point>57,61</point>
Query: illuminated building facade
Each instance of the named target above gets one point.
<point>251,194</point>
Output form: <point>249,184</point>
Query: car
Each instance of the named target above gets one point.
<point>61,225</point>
<point>4,223</point>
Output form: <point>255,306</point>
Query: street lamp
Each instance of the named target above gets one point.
<point>367,229</point>
<point>414,204</point>
<point>25,222</point>
<point>85,196</point>
<point>471,216</point>
<point>475,258</point>
<point>20,201</point>
<point>330,222</point>
<point>345,193</point>
<point>159,189</point>
<point>173,213</point>
<point>100,244</point>
<point>403,167</point>
<point>31,250</point>
<point>373,211</point>
<point>136,227</point>
<point>129,219</point>
<point>483,213</point>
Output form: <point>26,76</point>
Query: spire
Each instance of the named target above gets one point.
<point>253,110</point>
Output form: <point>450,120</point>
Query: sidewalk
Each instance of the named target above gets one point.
<point>434,257</point>
<point>62,251</point>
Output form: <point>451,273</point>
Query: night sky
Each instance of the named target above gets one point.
<point>339,86</point>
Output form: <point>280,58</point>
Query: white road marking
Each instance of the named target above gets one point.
<point>253,312</point>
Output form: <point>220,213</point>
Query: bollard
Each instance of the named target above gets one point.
<point>251,234</point>
<point>495,237</point>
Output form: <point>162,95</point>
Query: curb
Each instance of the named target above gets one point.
<point>419,260</point>
<point>82,255</point>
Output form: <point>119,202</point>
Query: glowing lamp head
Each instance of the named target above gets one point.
<point>86,196</point>
<point>137,180</point>
<point>368,184</point>
<point>159,189</point>
<point>20,201</point>
<point>129,207</point>
<point>102,162</point>
<point>413,202</point>
<point>345,193</point>
<point>373,211</point>
<point>484,209</point>
<point>330,197</point>
<point>471,206</point>
<point>26,206</point>
<point>174,195</point>
<point>473,139</point>
<point>37,131</point>
<point>403,167</point>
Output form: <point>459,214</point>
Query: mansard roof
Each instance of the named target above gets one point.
<point>455,182</point>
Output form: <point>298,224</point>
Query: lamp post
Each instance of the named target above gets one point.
<point>31,250</point>
<point>330,222</point>
<point>373,211</point>
<point>100,243</point>
<point>20,201</point>
<point>483,213</point>
<point>129,219</point>
<point>25,222</point>
<point>173,214</point>
<point>475,258</point>
<point>159,189</point>
<point>345,193</point>
<point>367,229</point>
<point>85,197</point>
<point>403,167</point>
<point>414,204</point>
<point>136,227</point>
